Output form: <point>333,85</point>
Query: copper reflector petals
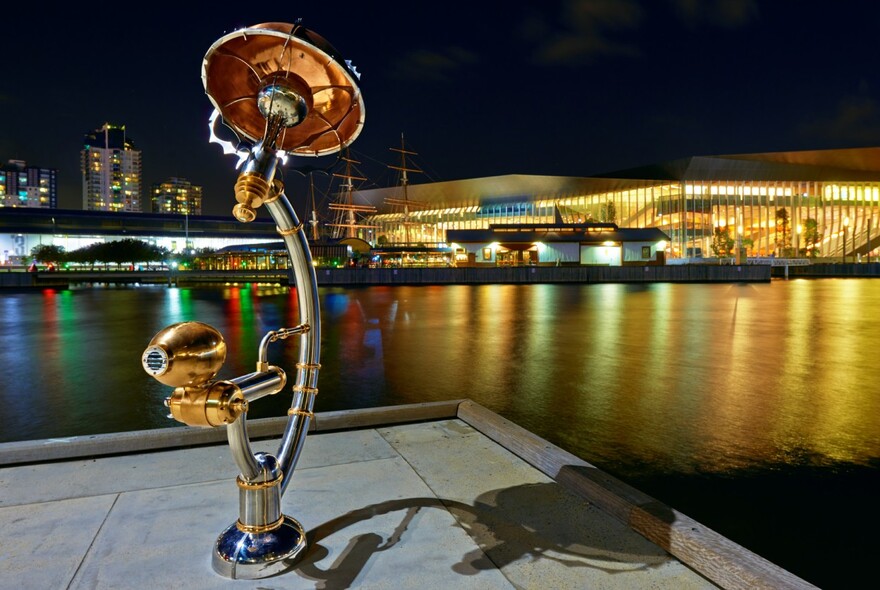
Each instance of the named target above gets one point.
<point>241,64</point>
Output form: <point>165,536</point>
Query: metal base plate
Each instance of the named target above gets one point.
<point>250,556</point>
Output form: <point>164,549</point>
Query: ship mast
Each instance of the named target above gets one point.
<point>405,204</point>
<point>347,224</point>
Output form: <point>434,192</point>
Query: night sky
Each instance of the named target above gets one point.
<point>569,88</point>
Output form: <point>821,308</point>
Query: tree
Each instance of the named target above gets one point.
<point>127,251</point>
<point>812,237</point>
<point>722,243</point>
<point>608,213</point>
<point>85,255</point>
<point>130,251</point>
<point>783,232</point>
<point>49,253</point>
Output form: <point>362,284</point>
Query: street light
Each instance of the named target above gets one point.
<point>845,226</point>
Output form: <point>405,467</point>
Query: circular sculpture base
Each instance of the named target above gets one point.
<point>250,556</point>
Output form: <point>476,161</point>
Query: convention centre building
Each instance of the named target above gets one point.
<point>818,204</point>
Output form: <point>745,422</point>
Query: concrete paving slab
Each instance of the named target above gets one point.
<point>371,524</point>
<point>24,484</point>
<point>44,543</point>
<point>377,525</point>
<point>535,531</point>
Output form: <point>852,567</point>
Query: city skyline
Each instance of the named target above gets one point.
<point>570,89</point>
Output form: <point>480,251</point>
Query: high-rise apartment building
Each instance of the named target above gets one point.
<point>28,186</point>
<point>111,168</point>
<point>176,195</point>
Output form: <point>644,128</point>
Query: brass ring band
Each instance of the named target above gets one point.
<point>259,528</point>
<point>304,389</point>
<point>276,189</point>
<point>258,485</point>
<point>299,412</point>
<point>289,232</point>
<point>314,366</point>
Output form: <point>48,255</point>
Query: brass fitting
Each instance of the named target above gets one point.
<point>251,192</point>
<point>214,404</point>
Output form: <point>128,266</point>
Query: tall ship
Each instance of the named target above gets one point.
<point>395,233</point>
<point>347,216</point>
<point>409,230</point>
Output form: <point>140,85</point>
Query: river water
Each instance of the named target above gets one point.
<point>753,408</point>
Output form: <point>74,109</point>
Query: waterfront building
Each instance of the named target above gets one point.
<point>111,169</point>
<point>271,256</point>
<point>598,244</point>
<point>176,195</point>
<point>28,186</point>
<point>234,245</point>
<point>23,229</point>
<point>821,204</point>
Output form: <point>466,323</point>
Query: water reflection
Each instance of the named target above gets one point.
<point>696,378</point>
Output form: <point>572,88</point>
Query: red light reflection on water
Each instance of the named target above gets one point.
<point>242,339</point>
<point>49,325</point>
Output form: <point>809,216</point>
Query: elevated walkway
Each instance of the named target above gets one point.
<point>441,495</point>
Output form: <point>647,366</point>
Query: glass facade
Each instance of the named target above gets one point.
<point>835,215</point>
<point>766,218</point>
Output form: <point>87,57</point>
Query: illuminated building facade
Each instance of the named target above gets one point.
<point>111,169</point>
<point>817,204</point>
<point>176,195</point>
<point>28,186</point>
<point>22,229</point>
<point>602,244</point>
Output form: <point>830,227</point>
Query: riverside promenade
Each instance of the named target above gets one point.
<point>439,495</point>
<point>686,273</point>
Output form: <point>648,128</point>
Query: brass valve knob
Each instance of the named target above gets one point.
<point>251,192</point>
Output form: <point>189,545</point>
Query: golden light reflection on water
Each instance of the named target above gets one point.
<point>682,377</point>
<point>690,377</point>
<point>838,371</point>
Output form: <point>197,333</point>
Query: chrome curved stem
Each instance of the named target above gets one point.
<point>264,541</point>
<point>309,329</point>
<point>305,386</point>
<point>240,445</point>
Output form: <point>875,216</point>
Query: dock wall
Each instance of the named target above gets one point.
<point>406,276</point>
<point>544,274</point>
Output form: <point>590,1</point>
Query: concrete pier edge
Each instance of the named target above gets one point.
<point>717,558</point>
